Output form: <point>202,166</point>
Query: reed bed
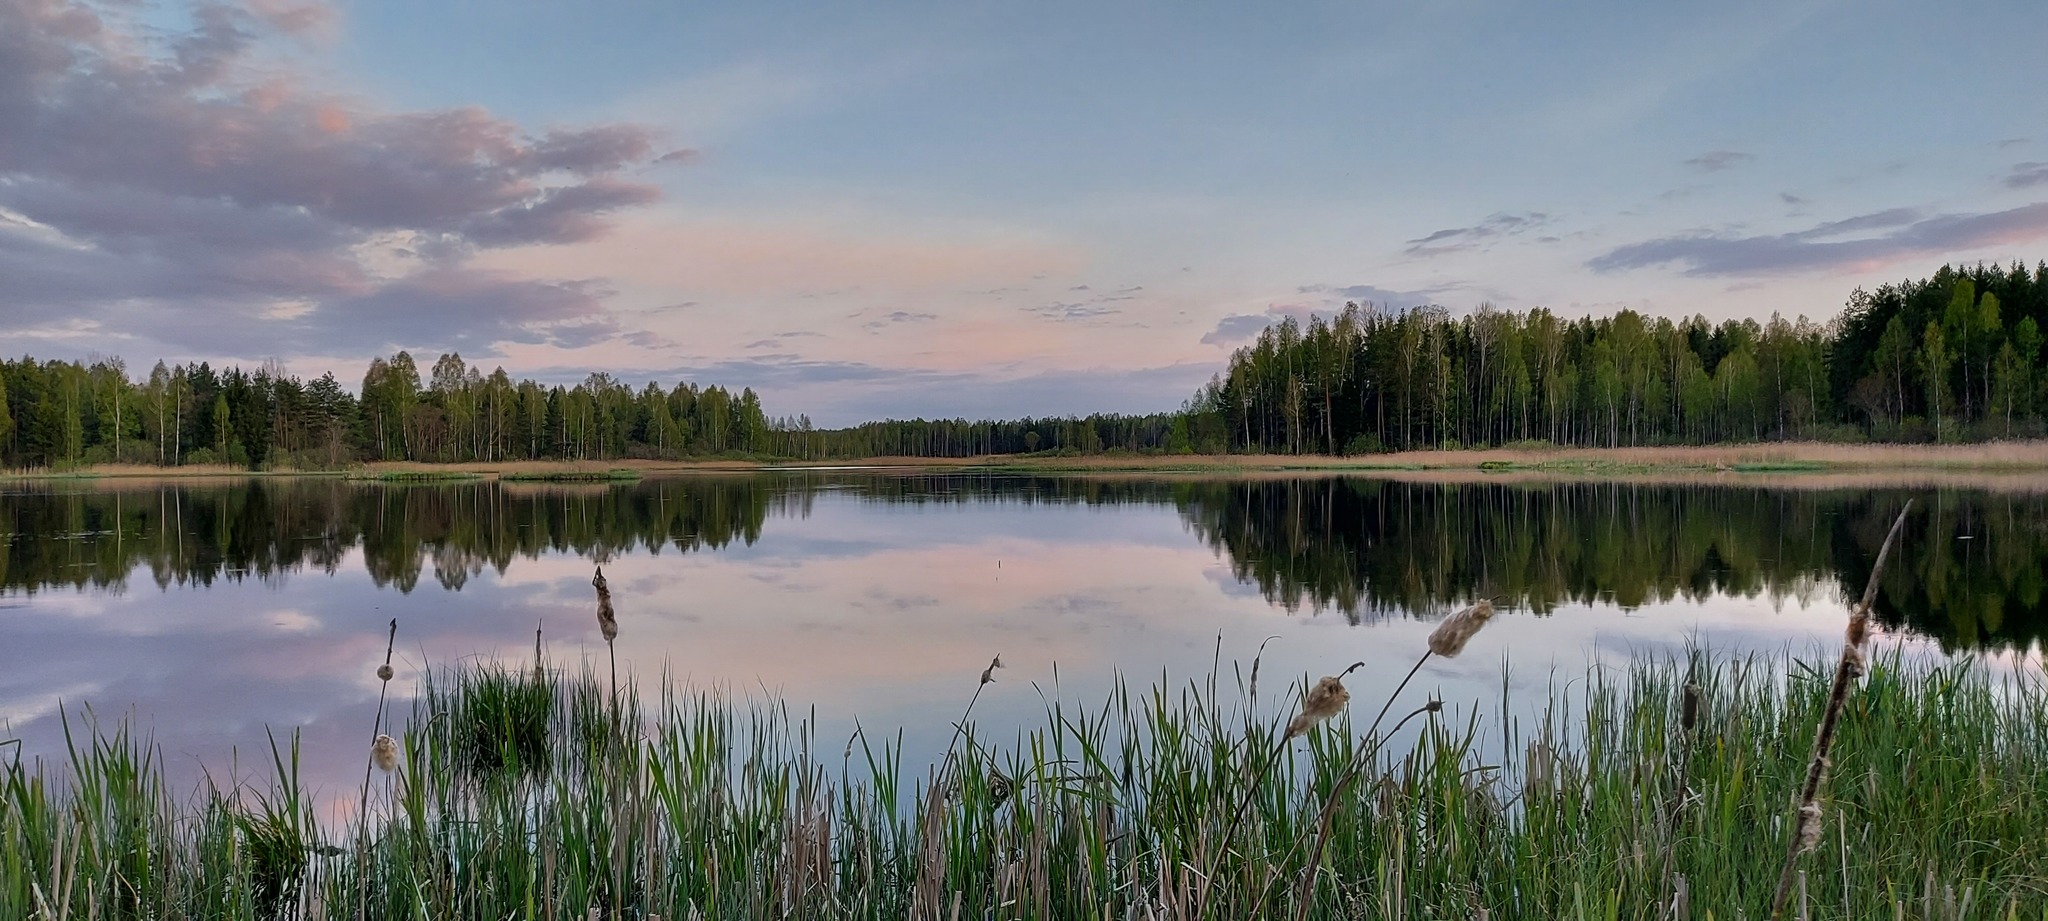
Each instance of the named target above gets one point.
<point>526,793</point>
<point>611,475</point>
<point>413,476</point>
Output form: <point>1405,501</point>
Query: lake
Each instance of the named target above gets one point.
<point>210,612</point>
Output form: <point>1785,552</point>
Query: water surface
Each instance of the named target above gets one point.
<point>208,612</point>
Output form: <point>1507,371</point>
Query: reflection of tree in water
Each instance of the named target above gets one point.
<point>1375,548</point>
<point>1971,572</point>
<point>196,534</point>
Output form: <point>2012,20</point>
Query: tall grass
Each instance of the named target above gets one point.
<point>524,795</point>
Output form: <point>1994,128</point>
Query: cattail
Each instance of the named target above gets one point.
<point>384,751</point>
<point>1449,638</point>
<point>1809,827</point>
<point>1322,702</point>
<point>607,622</point>
<point>384,672</point>
<point>1859,629</point>
<point>989,674</point>
<point>1689,707</point>
<point>1852,661</point>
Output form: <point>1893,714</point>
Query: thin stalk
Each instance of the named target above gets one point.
<point>1806,812</point>
<point>369,764</point>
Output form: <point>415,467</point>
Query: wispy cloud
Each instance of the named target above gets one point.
<point>1374,295</point>
<point>1460,239</point>
<point>783,340</point>
<point>1068,310</point>
<point>1714,161</point>
<point>1237,328</point>
<point>1861,243</point>
<point>2025,175</point>
<point>898,318</point>
<point>1325,301</point>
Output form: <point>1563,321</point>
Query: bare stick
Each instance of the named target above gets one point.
<point>363,811</point>
<point>1806,814</point>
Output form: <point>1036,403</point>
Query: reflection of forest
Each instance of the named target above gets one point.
<point>267,528</point>
<point>1971,572</point>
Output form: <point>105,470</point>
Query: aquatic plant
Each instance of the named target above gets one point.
<point>730,810</point>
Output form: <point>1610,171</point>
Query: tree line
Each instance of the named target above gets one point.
<point>1956,356</point>
<point>63,414</point>
<point>1953,357</point>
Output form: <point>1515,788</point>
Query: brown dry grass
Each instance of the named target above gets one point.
<point>2010,454</point>
<point>1990,455</point>
<point>1999,460</point>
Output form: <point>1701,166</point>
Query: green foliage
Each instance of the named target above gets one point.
<point>1365,380</point>
<point>1607,803</point>
<point>1932,349</point>
<point>496,724</point>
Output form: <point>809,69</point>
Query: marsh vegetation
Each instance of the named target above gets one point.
<point>523,793</point>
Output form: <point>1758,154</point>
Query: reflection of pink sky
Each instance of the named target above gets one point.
<point>857,609</point>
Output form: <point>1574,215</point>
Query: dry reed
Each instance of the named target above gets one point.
<point>608,624</point>
<point>607,618</point>
<point>1807,811</point>
<point>377,736</point>
<point>1448,640</point>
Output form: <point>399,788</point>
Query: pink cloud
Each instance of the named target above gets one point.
<point>184,183</point>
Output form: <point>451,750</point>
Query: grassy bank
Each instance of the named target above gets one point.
<point>523,793</point>
<point>1755,459</point>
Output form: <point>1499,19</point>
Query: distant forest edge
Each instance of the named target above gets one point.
<point>1955,357</point>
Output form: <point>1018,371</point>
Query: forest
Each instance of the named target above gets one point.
<point>62,415</point>
<point>1953,357</point>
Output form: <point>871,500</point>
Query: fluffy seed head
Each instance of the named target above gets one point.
<point>384,672</point>
<point>607,620</point>
<point>1323,701</point>
<point>1859,629</point>
<point>989,674</point>
<point>1449,638</point>
<point>384,751</point>
<point>1809,827</point>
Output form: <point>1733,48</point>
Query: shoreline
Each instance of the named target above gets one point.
<point>1778,459</point>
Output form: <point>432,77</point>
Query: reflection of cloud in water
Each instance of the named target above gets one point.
<point>865,610</point>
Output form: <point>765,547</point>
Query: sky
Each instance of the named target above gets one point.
<point>911,209</point>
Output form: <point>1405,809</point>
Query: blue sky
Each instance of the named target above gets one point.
<point>904,209</point>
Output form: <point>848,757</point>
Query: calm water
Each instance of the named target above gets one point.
<point>208,612</point>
